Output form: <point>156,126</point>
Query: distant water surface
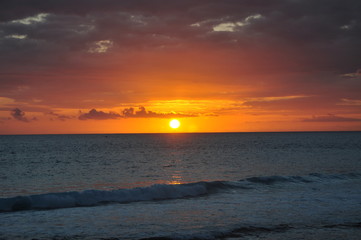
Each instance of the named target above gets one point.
<point>206,186</point>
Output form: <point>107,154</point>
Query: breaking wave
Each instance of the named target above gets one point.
<point>154,192</point>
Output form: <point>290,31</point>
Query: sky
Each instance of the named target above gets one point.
<point>130,66</point>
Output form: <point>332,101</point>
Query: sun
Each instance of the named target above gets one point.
<point>174,123</point>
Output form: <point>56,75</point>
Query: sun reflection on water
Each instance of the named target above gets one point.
<point>176,178</point>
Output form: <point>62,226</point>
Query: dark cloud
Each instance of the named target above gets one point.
<point>14,9</point>
<point>306,35</point>
<point>60,117</point>
<point>130,113</point>
<point>331,118</point>
<point>143,113</point>
<point>98,115</point>
<point>19,115</point>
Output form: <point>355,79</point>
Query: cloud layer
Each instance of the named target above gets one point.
<point>331,118</point>
<point>129,113</point>
<point>19,115</point>
<point>98,115</point>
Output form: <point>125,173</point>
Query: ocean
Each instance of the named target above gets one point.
<point>181,186</point>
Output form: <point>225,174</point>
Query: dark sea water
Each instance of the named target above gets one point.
<point>181,186</point>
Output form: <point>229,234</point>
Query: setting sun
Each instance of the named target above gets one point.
<point>174,123</point>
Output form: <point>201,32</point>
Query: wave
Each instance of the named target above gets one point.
<point>97,197</point>
<point>313,177</point>
<point>258,232</point>
<point>238,232</point>
<point>152,193</point>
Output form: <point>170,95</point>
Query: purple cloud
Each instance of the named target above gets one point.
<point>60,117</point>
<point>19,115</point>
<point>143,113</point>
<point>130,113</point>
<point>99,115</point>
<point>331,118</point>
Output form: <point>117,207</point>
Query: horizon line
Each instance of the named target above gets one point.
<point>42,134</point>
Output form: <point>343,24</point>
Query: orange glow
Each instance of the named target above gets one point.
<point>197,98</point>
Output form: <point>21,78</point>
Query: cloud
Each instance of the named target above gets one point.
<point>356,74</point>
<point>232,26</point>
<point>143,113</point>
<point>307,31</point>
<point>41,17</point>
<point>331,118</point>
<point>98,115</point>
<point>350,102</point>
<point>60,117</point>
<point>19,115</point>
<point>16,36</point>
<point>6,101</point>
<point>277,102</point>
<point>278,98</point>
<point>101,46</point>
<point>130,113</point>
<point>311,35</point>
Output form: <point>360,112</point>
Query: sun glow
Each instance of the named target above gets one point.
<point>174,123</point>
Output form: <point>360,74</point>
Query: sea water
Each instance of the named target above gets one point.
<point>181,186</point>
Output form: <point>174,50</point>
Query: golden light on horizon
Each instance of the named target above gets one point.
<point>174,123</point>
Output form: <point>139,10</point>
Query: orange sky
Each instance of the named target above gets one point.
<point>217,66</point>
